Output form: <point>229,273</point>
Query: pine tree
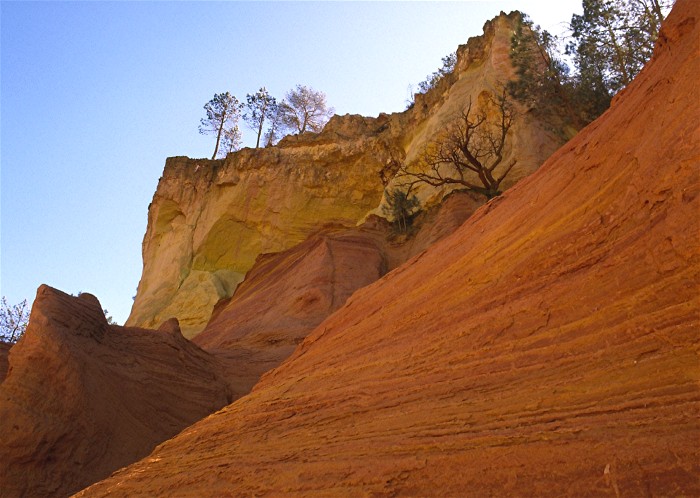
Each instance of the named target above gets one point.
<point>613,39</point>
<point>222,112</point>
<point>260,107</point>
<point>230,141</point>
<point>401,207</point>
<point>542,80</point>
<point>275,129</point>
<point>305,109</point>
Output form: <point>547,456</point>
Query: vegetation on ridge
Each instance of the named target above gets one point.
<point>303,109</point>
<point>609,44</point>
<point>260,107</point>
<point>13,320</point>
<point>402,208</point>
<point>432,80</point>
<point>223,112</point>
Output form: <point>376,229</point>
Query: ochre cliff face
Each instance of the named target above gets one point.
<point>547,348</point>
<point>209,220</point>
<point>482,70</point>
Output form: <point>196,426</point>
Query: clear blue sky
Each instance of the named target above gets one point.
<point>95,96</point>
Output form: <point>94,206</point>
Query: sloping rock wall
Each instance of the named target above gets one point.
<point>210,219</point>
<point>286,295</point>
<point>547,348</point>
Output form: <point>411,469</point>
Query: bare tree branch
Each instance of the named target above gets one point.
<point>467,152</point>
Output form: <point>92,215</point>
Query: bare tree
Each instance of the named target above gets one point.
<point>468,152</point>
<point>13,320</point>
<point>305,109</point>
<point>223,112</point>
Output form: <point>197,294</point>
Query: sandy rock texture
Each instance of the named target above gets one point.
<point>207,225</point>
<point>547,348</point>
<point>209,220</point>
<point>84,398</point>
<point>4,353</point>
<point>288,294</point>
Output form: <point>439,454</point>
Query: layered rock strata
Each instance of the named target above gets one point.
<point>547,348</point>
<point>286,295</point>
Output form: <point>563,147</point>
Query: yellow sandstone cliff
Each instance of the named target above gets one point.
<point>210,220</point>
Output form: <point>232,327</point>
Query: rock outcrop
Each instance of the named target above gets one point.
<point>84,398</point>
<point>547,348</point>
<point>209,220</point>
<point>286,295</point>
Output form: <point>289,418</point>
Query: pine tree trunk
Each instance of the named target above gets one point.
<point>618,53</point>
<point>262,119</point>
<point>218,136</point>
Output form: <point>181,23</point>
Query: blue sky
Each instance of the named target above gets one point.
<point>95,95</point>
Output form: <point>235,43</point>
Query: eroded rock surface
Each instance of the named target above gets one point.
<point>286,295</point>
<point>84,398</point>
<point>547,348</point>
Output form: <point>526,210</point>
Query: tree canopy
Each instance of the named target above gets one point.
<point>609,44</point>
<point>231,140</point>
<point>613,39</point>
<point>542,80</point>
<point>260,107</point>
<point>223,112</point>
<point>305,109</point>
<point>13,320</point>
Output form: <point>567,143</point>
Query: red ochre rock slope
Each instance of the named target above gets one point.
<point>285,296</point>
<point>548,348</point>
